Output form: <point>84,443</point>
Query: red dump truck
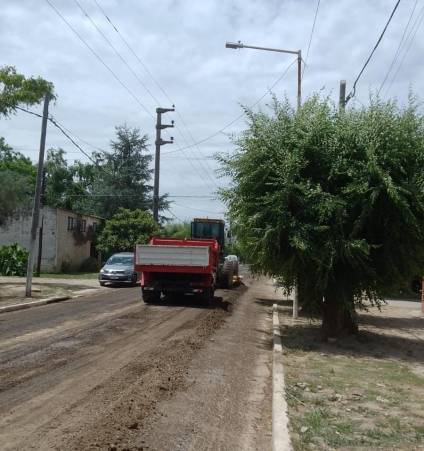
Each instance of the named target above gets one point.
<point>193,265</point>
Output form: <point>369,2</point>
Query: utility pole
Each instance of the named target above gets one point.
<point>299,79</point>
<point>38,187</point>
<point>342,95</point>
<point>40,233</point>
<point>159,142</point>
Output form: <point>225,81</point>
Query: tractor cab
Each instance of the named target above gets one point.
<point>209,228</point>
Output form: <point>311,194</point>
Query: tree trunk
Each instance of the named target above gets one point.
<point>339,317</point>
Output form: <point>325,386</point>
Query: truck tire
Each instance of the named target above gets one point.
<point>150,297</point>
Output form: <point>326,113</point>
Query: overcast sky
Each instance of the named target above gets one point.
<point>182,45</point>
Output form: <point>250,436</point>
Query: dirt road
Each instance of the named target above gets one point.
<point>107,372</point>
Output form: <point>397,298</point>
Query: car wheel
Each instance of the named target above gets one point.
<point>102,284</point>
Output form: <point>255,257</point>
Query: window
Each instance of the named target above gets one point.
<point>71,223</point>
<point>94,226</point>
<point>83,225</point>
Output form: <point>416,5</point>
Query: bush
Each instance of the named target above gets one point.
<point>13,260</point>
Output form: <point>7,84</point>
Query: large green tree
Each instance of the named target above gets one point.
<point>126,229</point>
<point>123,175</point>
<point>332,201</point>
<point>16,90</point>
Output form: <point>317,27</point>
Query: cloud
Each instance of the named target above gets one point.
<point>182,44</point>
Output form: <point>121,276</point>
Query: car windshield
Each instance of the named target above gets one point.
<point>126,260</point>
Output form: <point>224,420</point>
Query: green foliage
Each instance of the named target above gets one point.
<point>13,260</point>
<point>177,230</point>
<point>333,200</point>
<point>118,179</point>
<point>16,89</point>
<point>126,229</point>
<point>17,175</point>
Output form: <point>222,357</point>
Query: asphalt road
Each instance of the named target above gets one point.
<point>89,373</point>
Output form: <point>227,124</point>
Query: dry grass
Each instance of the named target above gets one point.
<point>357,394</point>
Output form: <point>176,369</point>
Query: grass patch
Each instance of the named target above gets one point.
<point>340,395</point>
<point>74,275</point>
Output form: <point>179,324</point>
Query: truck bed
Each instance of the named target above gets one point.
<point>171,255</point>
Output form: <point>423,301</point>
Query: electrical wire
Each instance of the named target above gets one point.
<point>108,67</point>
<point>199,209</point>
<point>414,29</point>
<point>93,23</point>
<point>174,215</point>
<point>62,130</point>
<point>241,115</point>
<point>310,37</point>
<point>100,59</point>
<point>398,49</point>
<point>353,92</point>
<point>205,167</point>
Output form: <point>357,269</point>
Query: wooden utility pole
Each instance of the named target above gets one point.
<point>159,142</point>
<point>342,95</point>
<point>38,188</point>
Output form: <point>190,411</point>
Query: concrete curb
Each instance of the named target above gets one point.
<point>280,421</point>
<point>15,307</point>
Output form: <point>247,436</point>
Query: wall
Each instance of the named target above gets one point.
<point>17,230</point>
<point>70,253</point>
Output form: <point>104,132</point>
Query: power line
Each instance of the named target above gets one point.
<point>100,59</point>
<point>174,215</point>
<point>241,115</point>
<point>204,167</point>
<point>93,23</point>
<point>310,37</point>
<point>413,31</point>
<point>353,92</point>
<point>106,65</point>
<point>199,209</point>
<point>398,49</point>
<point>62,130</point>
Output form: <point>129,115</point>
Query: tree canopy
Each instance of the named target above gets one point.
<point>17,175</point>
<point>126,229</point>
<point>333,201</point>
<point>16,89</point>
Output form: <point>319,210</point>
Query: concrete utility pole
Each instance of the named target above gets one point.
<point>38,188</point>
<point>342,95</point>
<point>40,232</point>
<point>159,142</point>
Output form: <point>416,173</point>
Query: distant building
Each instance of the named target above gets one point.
<point>67,237</point>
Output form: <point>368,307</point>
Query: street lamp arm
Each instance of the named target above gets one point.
<point>240,45</point>
<point>294,52</point>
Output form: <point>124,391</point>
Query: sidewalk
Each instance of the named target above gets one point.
<point>12,289</point>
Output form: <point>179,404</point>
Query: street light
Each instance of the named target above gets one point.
<point>240,45</point>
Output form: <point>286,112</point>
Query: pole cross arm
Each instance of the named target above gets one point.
<point>162,126</point>
<point>164,110</point>
<point>162,142</point>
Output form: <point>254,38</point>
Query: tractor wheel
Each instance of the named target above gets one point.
<point>227,275</point>
<point>150,297</point>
